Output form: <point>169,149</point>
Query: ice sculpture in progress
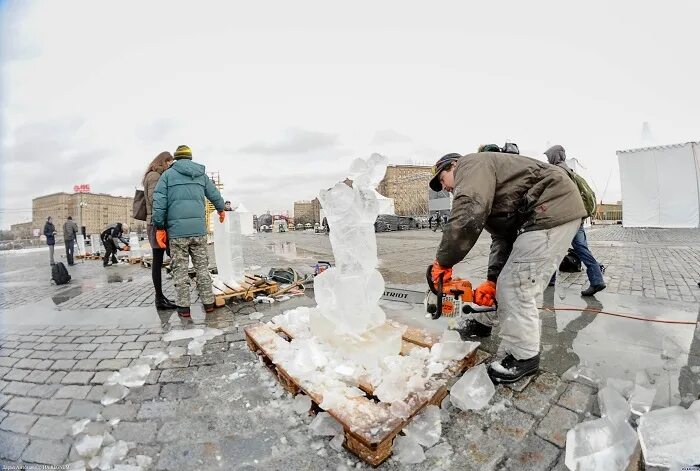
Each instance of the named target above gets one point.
<point>227,250</point>
<point>348,315</point>
<point>134,245</point>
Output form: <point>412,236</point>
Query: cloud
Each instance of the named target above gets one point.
<point>15,42</point>
<point>43,140</point>
<point>294,141</point>
<point>389,136</point>
<point>157,130</point>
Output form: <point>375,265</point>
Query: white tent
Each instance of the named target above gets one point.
<point>661,186</point>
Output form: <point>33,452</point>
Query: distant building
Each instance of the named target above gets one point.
<point>23,230</point>
<point>307,211</point>
<point>408,186</point>
<point>98,211</point>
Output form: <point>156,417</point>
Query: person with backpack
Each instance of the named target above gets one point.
<point>556,155</point>
<point>179,216</point>
<point>150,180</point>
<point>50,233</point>
<point>532,212</point>
<point>110,238</point>
<point>70,235</point>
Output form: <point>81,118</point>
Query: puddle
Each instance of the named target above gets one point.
<point>118,278</point>
<point>288,250</point>
<point>67,294</point>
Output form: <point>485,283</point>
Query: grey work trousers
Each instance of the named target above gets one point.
<point>535,256</point>
<point>51,248</point>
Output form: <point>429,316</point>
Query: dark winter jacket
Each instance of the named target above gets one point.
<point>49,230</point>
<point>506,194</point>
<point>178,201</point>
<point>70,230</point>
<point>115,233</point>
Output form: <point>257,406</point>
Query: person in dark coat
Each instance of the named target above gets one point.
<point>110,238</point>
<point>50,233</point>
<point>70,235</point>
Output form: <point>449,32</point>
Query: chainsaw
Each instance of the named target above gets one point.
<point>451,298</point>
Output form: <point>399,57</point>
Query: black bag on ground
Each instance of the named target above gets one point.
<point>59,274</point>
<point>139,207</point>
<point>571,263</point>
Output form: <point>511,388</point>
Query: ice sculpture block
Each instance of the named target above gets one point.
<point>227,250</point>
<point>95,244</point>
<point>348,314</point>
<point>80,239</point>
<point>134,245</point>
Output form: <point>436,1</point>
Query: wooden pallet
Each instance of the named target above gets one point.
<point>134,260</point>
<point>253,286</point>
<point>368,426</point>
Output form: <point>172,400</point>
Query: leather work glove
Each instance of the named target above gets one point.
<point>222,216</point>
<point>485,294</point>
<point>162,238</point>
<point>438,270</point>
<point>126,248</point>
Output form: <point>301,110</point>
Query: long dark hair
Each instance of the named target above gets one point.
<point>159,164</point>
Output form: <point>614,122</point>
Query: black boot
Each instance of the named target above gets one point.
<point>183,311</point>
<point>473,329</point>
<point>209,307</point>
<point>510,370</point>
<point>164,303</point>
<point>593,289</point>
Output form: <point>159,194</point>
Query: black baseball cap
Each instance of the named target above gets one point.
<point>439,166</point>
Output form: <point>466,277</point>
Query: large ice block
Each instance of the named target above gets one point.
<point>612,404</point>
<point>95,245</point>
<point>473,390</point>
<point>80,242</point>
<point>228,251</point>
<point>135,249</point>
<point>601,444</point>
<point>670,435</point>
<point>407,450</point>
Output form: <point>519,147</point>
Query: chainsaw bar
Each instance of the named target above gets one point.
<point>403,295</point>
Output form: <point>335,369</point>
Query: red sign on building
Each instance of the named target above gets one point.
<point>82,188</point>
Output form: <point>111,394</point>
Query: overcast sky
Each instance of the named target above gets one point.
<point>280,96</point>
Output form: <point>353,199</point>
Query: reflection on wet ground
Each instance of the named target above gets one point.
<point>289,250</point>
<point>67,294</point>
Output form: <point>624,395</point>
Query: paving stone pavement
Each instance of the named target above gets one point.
<point>195,413</point>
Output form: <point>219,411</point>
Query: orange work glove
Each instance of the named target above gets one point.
<point>162,238</point>
<point>439,270</point>
<point>485,294</point>
<point>222,216</point>
<point>126,248</point>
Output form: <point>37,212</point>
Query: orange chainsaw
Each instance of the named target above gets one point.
<point>451,298</point>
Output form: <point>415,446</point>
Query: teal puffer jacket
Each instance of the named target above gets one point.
<point>178,200</point>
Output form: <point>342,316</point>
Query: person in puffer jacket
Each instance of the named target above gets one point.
<point>179,216</point>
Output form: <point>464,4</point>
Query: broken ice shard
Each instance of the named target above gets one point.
<point>112,454</point>
<point>325,425</point>
<point>623,386</point>
<point>337,442</point>
<point>612,404</point>
<point>113,393</point>
<point>79,426</point>
<point>302,404</point>
<point>473,390</point>
<point>88,445</point>
<point>400,409</point>
<point>131,377</point>
<point>195,346</point>
<point>670,435</point>
<point>182,334</point>
<point>407,450</point>
<point>642,396</point>
<point>440,451</point>
<point>600,444</point>
<point>426,427</point>
<point>451,347</point>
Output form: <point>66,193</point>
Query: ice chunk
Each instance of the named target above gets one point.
<point>499,407</point>
<point>426,427</point>
<point>87,446</point>
<point>195,346</point>
<point>435,368</point>
<point>440,451</point>
<point>400,409</point>
<point>668,435</point>
<point>473,390</point>
<point>79,426</point>
<point>333,398</point>
<point>337,442</point>
<point>112,454</point>
<point>623,386</point>
<point>176,352</point>
<point>94,462</point>
<point>325,425</point>
<point>354,392</point>
<point>114,393</point>
<point>255,316</point>
<point>182,334</point>
<point>131,377</point>
<point>154,359</point>
<point>695,405</point>
<point>407,450</point>
<point>670,348</point>
<point>210,333</point>
<point>643,394</point>
<point>302,404</point>
<point>393,387</point>
<point>612,404</point>
<point>76,466</point>
<point>583,373</point>
<point>600,444</point>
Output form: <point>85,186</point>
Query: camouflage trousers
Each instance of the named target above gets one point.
<point>181,249</point>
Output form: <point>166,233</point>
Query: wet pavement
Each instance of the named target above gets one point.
<point>223,410</point>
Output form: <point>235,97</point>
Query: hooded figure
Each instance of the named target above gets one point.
<point>556,155</point>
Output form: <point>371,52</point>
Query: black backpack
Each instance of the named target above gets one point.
<point>59,274</point>
<point>571,263</point>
